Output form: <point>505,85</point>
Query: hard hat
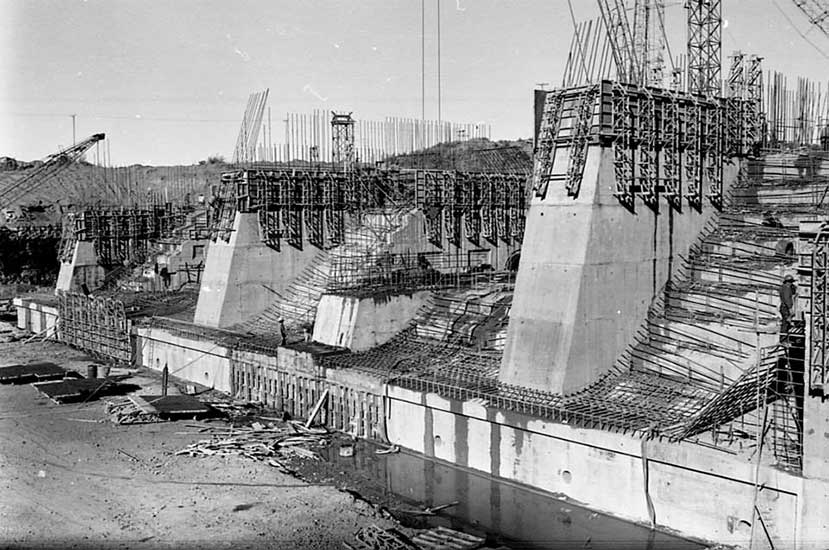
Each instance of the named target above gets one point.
<point>788,277</point>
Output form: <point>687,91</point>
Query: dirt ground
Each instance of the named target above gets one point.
<point>69,478</point>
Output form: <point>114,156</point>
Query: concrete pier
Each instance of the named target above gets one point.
<point>590,269</point>
<point>82,269</point>
<point>242,276</point>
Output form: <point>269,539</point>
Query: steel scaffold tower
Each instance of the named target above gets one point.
<point>342,138</point>
<point>704,47</point>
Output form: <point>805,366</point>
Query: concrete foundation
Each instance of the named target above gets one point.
<point>700,492</point>
<point>36,316</point>
<point>597,266</point>
<point>242,276</point>
<point>361,323</point>
<point>82,269</point>
<point>192,359</point>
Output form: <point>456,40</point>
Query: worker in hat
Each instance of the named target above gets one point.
<point>788,293</point>
<point>282,332</point>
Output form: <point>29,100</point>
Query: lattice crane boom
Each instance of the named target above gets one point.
<point>817,11</point>
<point>52,165</point>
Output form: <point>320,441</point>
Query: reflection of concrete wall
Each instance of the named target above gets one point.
<point>360,323</point>
<point>241,276</point>
<point>696,490</point>
<point>519,513</point>
<point>589,271</point>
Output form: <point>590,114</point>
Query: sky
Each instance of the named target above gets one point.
<point>168,81</point>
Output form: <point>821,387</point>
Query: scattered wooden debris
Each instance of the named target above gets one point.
<point>375,538</point>
<point>258,442</point>
<point>316,409</point>
<point>443,537</point>
<point>127,412</point>
<point>429,510</point>
<point>125,453</point>
<point>390,450</point>
<point>172,406</point>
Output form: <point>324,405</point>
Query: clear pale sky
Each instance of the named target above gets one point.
<point>168,80</point>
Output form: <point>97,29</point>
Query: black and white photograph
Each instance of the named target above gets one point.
<point>414,274</point>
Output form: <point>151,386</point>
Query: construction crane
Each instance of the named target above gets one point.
<point>52,166</point>
<point>649,40</point>
<point>817,11</point>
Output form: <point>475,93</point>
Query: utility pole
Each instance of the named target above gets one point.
<point>73,128</point>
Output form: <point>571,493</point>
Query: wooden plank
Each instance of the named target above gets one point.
<point>316,409</point>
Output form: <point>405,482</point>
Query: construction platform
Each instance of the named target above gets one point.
<point>172,406</point>
<point>33,372</point>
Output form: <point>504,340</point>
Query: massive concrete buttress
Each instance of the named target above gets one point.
<point>241,275</point>
<point>590,269</point>
<point>82,269</point>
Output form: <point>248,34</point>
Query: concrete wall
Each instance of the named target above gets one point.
<point>589,271</point>
<point>36,317</point>
<point>83,268</point>
<point>241,276</point>
<point>361,323</point>
<point>192,359</point>
<point>697,491</point>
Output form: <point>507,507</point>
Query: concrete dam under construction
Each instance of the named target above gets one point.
<point>638,322</point>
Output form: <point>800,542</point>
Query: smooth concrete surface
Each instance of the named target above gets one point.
<point>243,276</point>
<point>36,317</point>
<point>361,323</point>
<point>697,491</point>
<point>816,437</point>
<point>82,269</point>
<point>590,269</point>
<point>199,361</point>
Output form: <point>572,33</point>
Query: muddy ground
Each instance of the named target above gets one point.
<point>72,479</point>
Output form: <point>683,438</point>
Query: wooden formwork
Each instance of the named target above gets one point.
<point>97,325</point>
<point>349,409</point>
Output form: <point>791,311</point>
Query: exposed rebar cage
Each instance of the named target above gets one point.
<point>245,151</point>
<point>95,325</point>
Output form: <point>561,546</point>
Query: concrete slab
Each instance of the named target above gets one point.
<point>170,406</point>
<point>83,389</point>
<point>34,372</point>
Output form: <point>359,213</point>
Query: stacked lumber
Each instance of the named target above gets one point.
<point>260,442</point>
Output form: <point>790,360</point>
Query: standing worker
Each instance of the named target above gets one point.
<point>788,293</point>
<point>282,332</point>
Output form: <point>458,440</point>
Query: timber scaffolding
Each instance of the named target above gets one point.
<point>102,324</point>
<point>312,205</point>
<point>122,235</point>
<point>665,143</point>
